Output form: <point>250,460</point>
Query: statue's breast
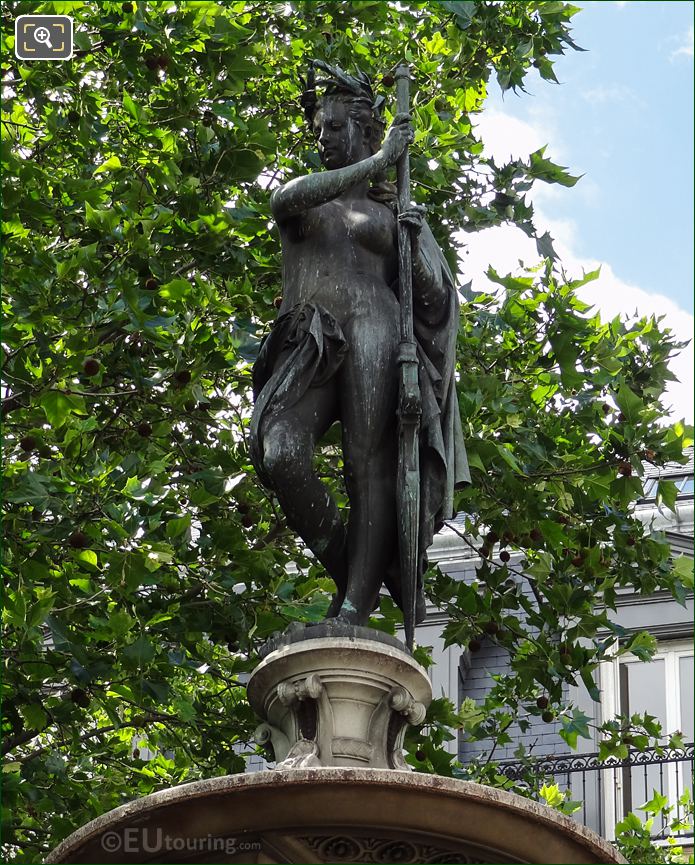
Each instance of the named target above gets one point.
<point>371,225</point>
<point>366,224</point>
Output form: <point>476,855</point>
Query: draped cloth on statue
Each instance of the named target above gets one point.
<point>305,349</point>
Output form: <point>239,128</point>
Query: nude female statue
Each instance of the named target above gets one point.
<point>332,353</point>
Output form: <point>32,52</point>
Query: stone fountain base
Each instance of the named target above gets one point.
<point>335,702</point>
<point>334,815</point>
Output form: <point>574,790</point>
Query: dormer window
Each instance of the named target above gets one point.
<point>685,485</point>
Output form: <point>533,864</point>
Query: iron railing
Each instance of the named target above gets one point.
<point>609,789</point>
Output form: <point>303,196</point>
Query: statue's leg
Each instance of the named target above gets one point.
<point>289,439</point>
<point>369,379</point>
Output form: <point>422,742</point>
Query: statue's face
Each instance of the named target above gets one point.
<point>341,139</point>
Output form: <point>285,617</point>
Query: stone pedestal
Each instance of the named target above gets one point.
<point>338,701</point>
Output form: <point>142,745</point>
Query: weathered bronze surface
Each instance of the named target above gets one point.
<point>333,353</point>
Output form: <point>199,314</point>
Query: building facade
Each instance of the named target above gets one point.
<point>662,687</point>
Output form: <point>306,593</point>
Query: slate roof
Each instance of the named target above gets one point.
<point>650,471</point>
<point>671,469</point>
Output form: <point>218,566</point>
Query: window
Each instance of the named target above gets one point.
<point>685,484</point>
<point>664,689</point>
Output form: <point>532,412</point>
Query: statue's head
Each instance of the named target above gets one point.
<point>345,117</point>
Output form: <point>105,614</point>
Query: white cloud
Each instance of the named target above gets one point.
<point>612,93</point>
<point>685,49</point>
<point>613,296</point>
<point>506,137</point>
<point>506,246</point>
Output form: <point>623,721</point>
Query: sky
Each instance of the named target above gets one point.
<point>622,116</point>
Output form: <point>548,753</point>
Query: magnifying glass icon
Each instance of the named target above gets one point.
<point>43,37</point>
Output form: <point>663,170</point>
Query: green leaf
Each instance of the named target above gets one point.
<point>123,691</point>
<point>68,7</point>
<point>544,169</point>
<point>158,690</point>
<point>629,404</point>
<point>58,407</point>
<point>470,714</point>
<point>591,276</point>
<point>37,613</point>
<point>552,795</point>
<point>158,557</point>
<point>176,289</point>
<point>120,622</point>
<point>641,644</point>
<point>666,492</point>
<point>59,633</point>
<point>84,585</point>
<point>575,725</point>
<point>509,458</point>
<point>31,490</point>
<point>544,246</point>
<point>111,164</point>
<point>608,749</point>
<point>56,764</point>
<point>683,567</point>
<point>590,685</point>
<point>184,709</point>
<point>656,804</point>
<point>130,106</point>
<point>34,716</point>
<point>141,651</point>
<point>178,526</point>
<point>467,599</point>
<point>88,558</point>
<point>103,220</point>
<point>463,10</point>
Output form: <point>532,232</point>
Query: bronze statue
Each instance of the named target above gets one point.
<point>333,352</point>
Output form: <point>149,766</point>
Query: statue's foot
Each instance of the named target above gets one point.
<point>350,615</point>
<point>335,605</point>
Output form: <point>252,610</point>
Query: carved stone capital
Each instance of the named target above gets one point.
<point>290,693</point>
<point>402,701</point>
<point>266,734</point>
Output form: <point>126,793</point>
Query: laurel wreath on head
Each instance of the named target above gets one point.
<point>359,86</point>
